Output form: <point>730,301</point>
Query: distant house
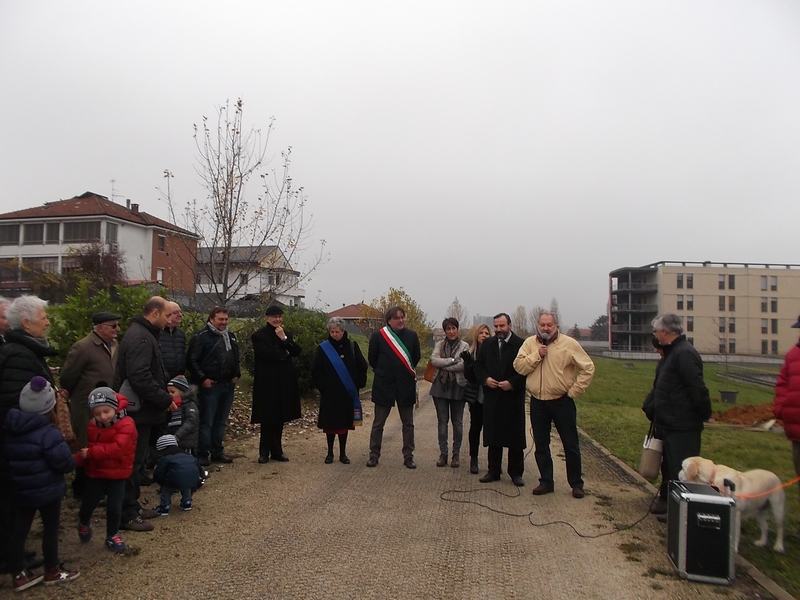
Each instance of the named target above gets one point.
<point>258,274</point>
<point>42,238</point>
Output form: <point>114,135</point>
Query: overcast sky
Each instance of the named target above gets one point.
<point>505,153</point>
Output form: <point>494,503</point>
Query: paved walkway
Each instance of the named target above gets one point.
<point>304,529</point>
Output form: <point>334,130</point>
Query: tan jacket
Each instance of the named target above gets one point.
<point>551,377</point>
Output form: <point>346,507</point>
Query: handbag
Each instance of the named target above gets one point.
<point>429,372</point>
<point>650,463</point>
<point>134,402</point>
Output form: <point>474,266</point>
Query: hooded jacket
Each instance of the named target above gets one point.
<point>111,449</point>
<point>787,394</point>
<point>38,458</point>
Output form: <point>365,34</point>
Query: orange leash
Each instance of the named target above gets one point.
<point>767,493</point>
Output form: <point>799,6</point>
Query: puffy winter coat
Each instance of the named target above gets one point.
<point>176,469</point>
<point>173,351</point>
<point>680,396</point>
<point>787,394</point>
<point>111,449</point>
<point>38,458</point>
<point>188,433</point>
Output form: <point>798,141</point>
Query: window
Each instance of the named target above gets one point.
<point>763,283</point>
<point>689,281</point>
<point>9,235</point>
<point>39,264</point>
<point>774,326</point>
<point>773,304</point>
<point>731,303</point>
<point>731,325</point>
<point>162,243</point>
<point>722,324</point>
<point>731,346</point>
<point>774,346</point>
<point>722,303</point>
<point>764,346</point>
<point>81,231</point>
<point>243,278</point>
<point>689,323</point>
<point>722,346</point>
<point>731,282</point>
<point>9,269</point>
<point>763,304</point>
<point>680,281</point>
<point>764,326</point>
<point>680,301</point>
<point>773,283</point>
<point>112,230</point>
<point>51,233</point>
<point>160,275</point>
<point>722,282</point>
<point>33,233</point>
<point>690,302</point>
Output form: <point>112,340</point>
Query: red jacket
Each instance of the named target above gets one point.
<point>111,449</point>
<point>787,394</point>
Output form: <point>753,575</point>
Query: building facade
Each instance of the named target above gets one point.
<point>727,308</point>
<point>43,238</point>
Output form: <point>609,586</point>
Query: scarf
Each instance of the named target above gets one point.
<point>116,418</point>
<point>449,348</point>
<point>224,333</point>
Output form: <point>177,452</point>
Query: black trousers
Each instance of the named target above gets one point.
<point>516,461</point>
<point>270,441</point>
<point>678,446</point>
<point>475,427</point>
<point>131,506</point>
<point>51,517</point>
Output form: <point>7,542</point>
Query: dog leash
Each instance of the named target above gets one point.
<point>768,492</point>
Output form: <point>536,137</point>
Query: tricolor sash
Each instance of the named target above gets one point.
<point>344,375</point>
<point>399,348</point>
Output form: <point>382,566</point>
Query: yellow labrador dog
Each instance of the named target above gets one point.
<point>748,483</point>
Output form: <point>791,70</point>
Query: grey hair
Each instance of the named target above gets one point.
<point>24,307</point>
<point>4,301</point>
<point>336,322</point>
<point>552,314</point>
<point>669,322</point>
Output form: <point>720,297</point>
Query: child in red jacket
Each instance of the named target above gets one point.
<point>108,461</point>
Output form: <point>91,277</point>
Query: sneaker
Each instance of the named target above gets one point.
<point>200,483</point>
<point>84,532</point>
<point>115,543</point>
<point>162,510</point>
<point>137,524</point>
<point>60,574</point>
<point>25,580</point>
<point>148,513</point>
<point>186,505</point>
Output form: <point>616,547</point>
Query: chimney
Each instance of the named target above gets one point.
<point>129,203</point>
<point>135,208</point>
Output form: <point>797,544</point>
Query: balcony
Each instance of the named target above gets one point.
<point>644,308</point>
<point>634,287</point>
<point>621,328</point>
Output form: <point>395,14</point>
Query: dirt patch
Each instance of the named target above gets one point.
<point>746,414</point>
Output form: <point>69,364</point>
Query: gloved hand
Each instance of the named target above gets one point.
<point>466,357</point>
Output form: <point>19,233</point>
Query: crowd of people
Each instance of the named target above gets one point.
<point>123,408</point>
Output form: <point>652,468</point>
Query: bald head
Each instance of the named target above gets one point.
<point>157,311</point>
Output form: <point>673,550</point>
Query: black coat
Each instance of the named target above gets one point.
<point>393,381</point>
<point>503,412</point>
<point>139,361</point>
<point>21,359</point>
<point>335,404</point>
<point>173,351</point>
<point>208,358</point>
<point>680,397</point>
<point>276,393</point>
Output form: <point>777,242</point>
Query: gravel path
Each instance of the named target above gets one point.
<point>304,529</point>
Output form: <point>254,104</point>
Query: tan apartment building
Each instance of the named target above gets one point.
<point>727,308</point>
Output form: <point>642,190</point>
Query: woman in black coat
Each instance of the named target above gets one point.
<point>276,393</point>
<point>335,402</point>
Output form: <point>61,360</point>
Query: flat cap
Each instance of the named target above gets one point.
<point>274,310</point>
<point>104,317</point>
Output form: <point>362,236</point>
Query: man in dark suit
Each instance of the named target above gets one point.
<point>504,401</point>
<point>393,354</point>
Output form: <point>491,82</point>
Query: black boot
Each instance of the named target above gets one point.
<point>329,457</point>
<point>342,448</point>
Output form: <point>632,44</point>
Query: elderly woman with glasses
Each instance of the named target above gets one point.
<point>339,370</point>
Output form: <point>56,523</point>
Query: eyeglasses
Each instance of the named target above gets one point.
<point>111,325</point>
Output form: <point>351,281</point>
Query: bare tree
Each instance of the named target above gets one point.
<point>458,312</point>
<point>536,312</point>
<point>554,310</point>
<point>519,321</point>
<point>251,241</point>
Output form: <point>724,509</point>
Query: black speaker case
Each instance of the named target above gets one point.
<point>701,526</point>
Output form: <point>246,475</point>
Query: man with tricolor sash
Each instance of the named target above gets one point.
<point>393,355</point>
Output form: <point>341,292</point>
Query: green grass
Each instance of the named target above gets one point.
<point>610,412</point>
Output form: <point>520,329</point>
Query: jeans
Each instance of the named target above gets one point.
<point>114,491</point>
<point>166,495</point>
<point>376,436</point>
<point>51,517</point>
<point>215,406</point>
<point>563,414</point>
<point>447,410</point>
